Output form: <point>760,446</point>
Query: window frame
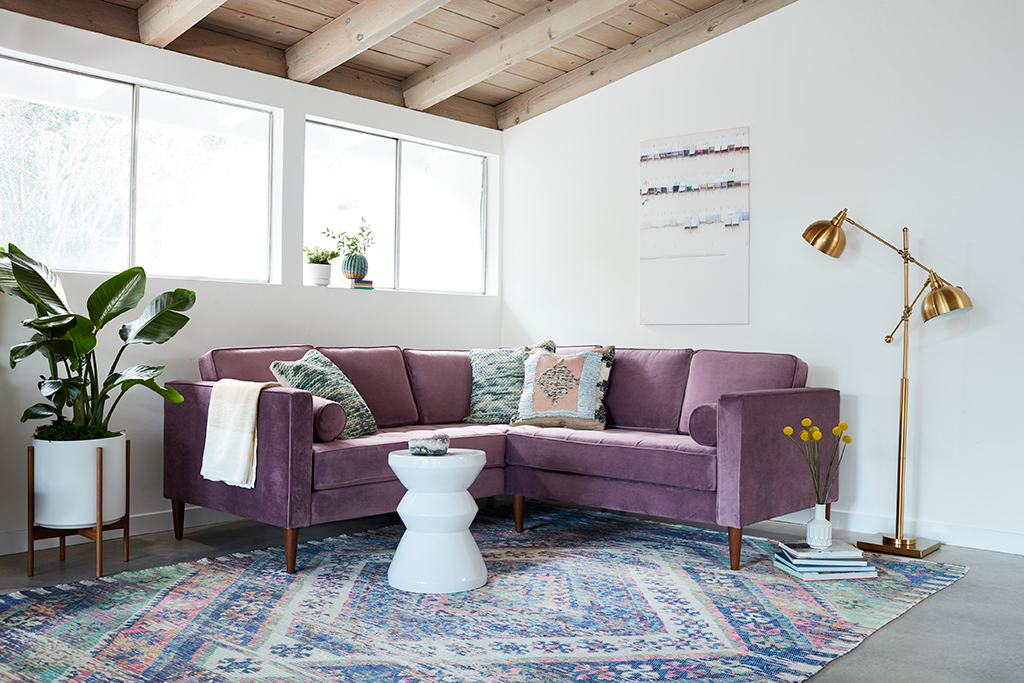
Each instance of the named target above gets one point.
<point>271,274</point>
<point>484,197</point>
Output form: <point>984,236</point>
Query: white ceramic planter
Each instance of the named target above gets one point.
<point>65,482</point>
<point>317,274</point>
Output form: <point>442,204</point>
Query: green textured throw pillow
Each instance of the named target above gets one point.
<point>316,374</point>
<point>498,382</point>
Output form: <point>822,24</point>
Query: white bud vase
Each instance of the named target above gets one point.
<point>819,530</point>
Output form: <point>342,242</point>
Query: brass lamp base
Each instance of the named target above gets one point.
<point>908,547</point>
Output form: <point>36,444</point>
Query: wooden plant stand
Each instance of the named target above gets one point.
<point>93,533</point>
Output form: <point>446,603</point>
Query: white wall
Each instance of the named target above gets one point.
<point>228,314</point>
<point>909,113</point>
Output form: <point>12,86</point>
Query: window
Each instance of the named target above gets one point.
<point>65,166</point>
<point>350,176</point>
<point>203,188</point>
<point>441,234</point>
<point>74,147</point>
<point>425,205</point>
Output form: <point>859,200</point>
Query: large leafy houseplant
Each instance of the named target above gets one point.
<point>68,341</point>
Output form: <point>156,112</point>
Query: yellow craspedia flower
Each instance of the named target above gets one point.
<point>788,431</point>
<point>805,435</point>
<point>847,439</point>
<point>806,422</point>
<point>837,431</point>
<point>843,426</point>
<point>815,429</point>
<point>816,436</point>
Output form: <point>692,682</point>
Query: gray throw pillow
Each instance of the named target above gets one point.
<point>316,374</point>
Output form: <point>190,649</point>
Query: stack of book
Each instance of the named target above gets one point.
<point>362,284</point>
<point>840,561</point>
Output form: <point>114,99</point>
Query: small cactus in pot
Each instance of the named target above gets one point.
<point>354,266</point>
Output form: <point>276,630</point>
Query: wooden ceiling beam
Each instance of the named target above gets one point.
<point>675,38</point>
<point>388,90</point>
<point>355,31</point>
<point>161,21</point>
<point>89,15</point>
<point>514,43</point>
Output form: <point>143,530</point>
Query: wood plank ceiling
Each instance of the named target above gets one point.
<point>492,63</point>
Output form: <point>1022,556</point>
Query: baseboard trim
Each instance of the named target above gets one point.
<point>948,534</point>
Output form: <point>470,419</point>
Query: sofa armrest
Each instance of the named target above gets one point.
<point>761,474</point>
<point>284,456</point>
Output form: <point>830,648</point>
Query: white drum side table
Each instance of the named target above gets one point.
<point>437,553</point>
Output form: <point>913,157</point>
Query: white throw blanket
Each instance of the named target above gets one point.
<point>230,452</point>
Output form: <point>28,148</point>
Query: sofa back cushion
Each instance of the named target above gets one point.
<point>378,374</point>
<point>250,364</point>
<point>441,383</point>
<point>713,373</point>
<point>646,387</point>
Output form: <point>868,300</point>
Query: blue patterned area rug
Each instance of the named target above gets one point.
<point>581,596</point>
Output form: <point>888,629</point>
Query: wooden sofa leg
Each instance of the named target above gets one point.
<point>291,549</point>
<point>828,511</point>
<point>178,515</point>
<point>518,508</point>
<point>735,543</point>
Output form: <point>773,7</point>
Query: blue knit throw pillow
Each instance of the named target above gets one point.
<point>498,382</point>
<point>316,374</point>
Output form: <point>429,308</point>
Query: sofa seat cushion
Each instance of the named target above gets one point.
<point>631,455</point>
<point>340,464</point>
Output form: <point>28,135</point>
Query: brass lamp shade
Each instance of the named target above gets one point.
<point>944,301</point>
<point>828,236</point>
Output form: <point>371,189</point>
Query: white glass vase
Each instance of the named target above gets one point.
<point>819,529</point>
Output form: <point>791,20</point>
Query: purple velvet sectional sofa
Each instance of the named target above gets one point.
<point>692,435</point>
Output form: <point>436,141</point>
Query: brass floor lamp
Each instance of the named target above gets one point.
<point>942,301</point>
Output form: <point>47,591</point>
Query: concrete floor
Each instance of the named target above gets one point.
<point>970,631</point>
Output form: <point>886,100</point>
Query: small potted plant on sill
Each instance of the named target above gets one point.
<point>317,270</point>
<point>65,449</point>
<point>355,265</point>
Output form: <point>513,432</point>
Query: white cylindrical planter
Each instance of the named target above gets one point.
<point>819,530</point>
<point>65,482</point>
<point>317,274</point>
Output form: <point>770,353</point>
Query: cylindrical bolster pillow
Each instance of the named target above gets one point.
<point>329,419</point>
<point>704,424</point>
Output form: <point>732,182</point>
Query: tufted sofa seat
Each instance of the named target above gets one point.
<point>692,435</point>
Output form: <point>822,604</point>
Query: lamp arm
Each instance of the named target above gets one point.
<point>906,312</point>
<point>855,223</point>
<point>905,254</point>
